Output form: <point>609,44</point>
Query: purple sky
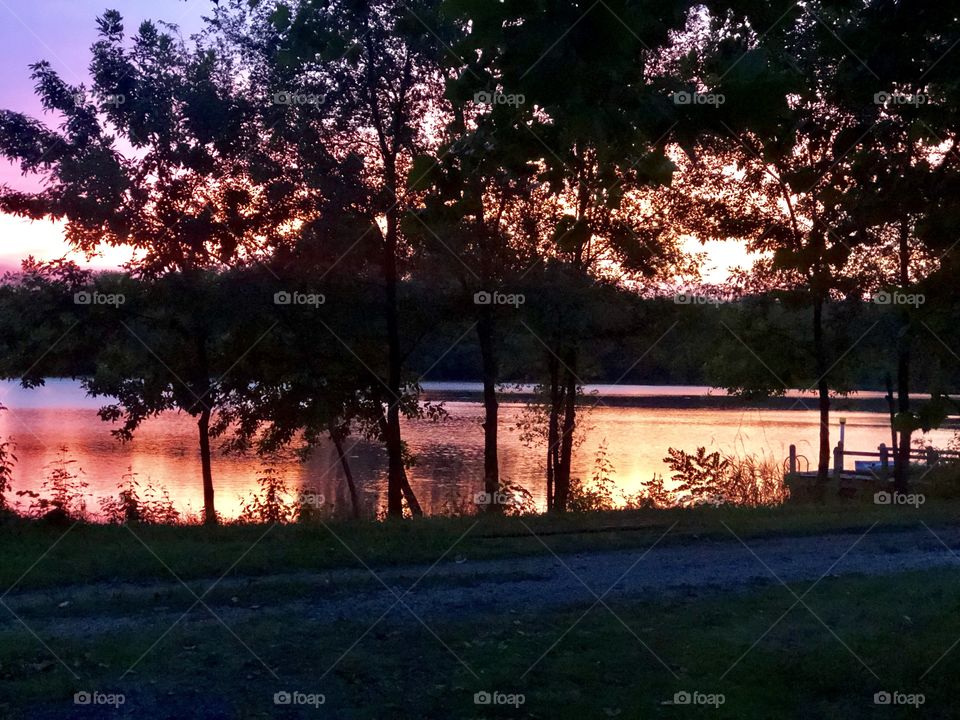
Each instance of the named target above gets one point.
<point>61,31</point>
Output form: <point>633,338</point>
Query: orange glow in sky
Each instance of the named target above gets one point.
<point>20,237</point>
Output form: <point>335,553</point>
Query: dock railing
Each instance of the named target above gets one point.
<point>883,457</point>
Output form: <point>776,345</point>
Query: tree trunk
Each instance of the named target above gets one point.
<point>553,431</point>
<point>412,501</point>
<point>337,439</point>
<point>892,410</point>
<point>823,459</point>
<point>902,465</point>
<point>491,469</point>
<point>395,469</point>
<point>405,490</point>
<point>397,485</point>
<point>823,392</point>
<point>562,480</point>
<point>902,462</point>
<point>203,426</point>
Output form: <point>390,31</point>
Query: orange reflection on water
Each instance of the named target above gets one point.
<point>450,454</point>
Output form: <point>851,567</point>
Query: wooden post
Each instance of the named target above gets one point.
<point>932,457</point>
<point>884,461</point>
<point>793,459</point>
<point>838,461</point>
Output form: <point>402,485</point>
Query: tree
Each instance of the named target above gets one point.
<point>157,157</point>
<point>905,86</point>
<point>376,72</point>
<point>599,137</point>
<point>786,139</point>
<point>479,225</point>
<point>314,377</point>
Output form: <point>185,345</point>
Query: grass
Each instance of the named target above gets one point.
<point>766,654</point>
<point>35,556</point>
<point>859,636</point>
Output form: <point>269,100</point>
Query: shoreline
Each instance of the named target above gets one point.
<point>865,401</point>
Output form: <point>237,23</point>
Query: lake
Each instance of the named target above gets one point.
<point>637,423</point>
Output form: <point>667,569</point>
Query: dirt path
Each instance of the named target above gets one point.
<point>457,586</point>
<point>552,581</point>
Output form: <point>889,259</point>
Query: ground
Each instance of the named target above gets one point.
<point>749,614</point>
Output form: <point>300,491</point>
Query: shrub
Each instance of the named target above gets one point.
<point>7,462</point>
<point>63,493</point>
<point>598,494</point>
<point>710,478</point>
<point>131,507</point>
<point>272,504</point>
<point>522,502</point>
<point>308,507</point>
<point>654,496</point>
<point>124,509</point>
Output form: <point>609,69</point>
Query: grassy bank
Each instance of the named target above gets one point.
<point>826,658</point>
<point>34,555</point>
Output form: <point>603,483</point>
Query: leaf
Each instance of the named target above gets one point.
<point>655,168</point>
<point>424,172</point>
<point>280,18</point>
<point>905,422</point>
<point>571,233</point>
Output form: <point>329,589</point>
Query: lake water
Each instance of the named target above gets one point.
<point>637,423</point>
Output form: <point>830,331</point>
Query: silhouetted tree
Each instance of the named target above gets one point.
<point>155,156</point>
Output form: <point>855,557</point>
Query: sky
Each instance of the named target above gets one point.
<point>61,32</point>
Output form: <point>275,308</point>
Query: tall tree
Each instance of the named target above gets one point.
<point>479,226</point>
<point>787,141</point>
<point>155,156</point>
<point>901,72</point>
<point>376,71</point>
<point>599,138</point>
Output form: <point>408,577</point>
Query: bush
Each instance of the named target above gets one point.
<point>598,494</point>
<point>522,502</point>
<point>62,495</point>
<point>272,504</point>
<point>7,462</point>
<point>654,496</point>
<point>713,479</point>
<point>153,507</point>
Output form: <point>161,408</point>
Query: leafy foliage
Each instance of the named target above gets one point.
<point>63,493</point>
<point>7,463</point>
<point>134,505</point>
<point>715,479</point>
<point>272,504</point>
<point>598,494</point>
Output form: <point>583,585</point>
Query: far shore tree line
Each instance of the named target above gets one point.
<point>327,200</point>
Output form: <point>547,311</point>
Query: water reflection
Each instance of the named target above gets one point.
<point>449,466</point>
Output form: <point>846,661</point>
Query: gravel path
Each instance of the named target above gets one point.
<point>553,581</point>
<point>459,586</point>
